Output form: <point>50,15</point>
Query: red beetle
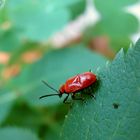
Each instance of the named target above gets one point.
<point>74,85</point>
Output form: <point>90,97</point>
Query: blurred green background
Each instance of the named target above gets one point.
<point>53,40</point>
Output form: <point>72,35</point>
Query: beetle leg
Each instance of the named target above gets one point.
<point>90,70</point>
<point>74,98</point>
<point>92,96</point>
<point>66,100</point>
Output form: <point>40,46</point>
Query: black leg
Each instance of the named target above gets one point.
<point>75,98</point>
<point>66,100</point>
<point>92,96</point>
<point>90,70</point>
<point>90,93</point>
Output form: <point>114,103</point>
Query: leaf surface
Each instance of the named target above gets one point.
<point>16,134</point>
<point>115,113</point>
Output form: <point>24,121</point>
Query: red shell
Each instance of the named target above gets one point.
<point>62,89</point>
<point>78,82</point>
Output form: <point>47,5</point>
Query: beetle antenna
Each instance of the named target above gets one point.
<point>50,87</point>
<point>48,95</point>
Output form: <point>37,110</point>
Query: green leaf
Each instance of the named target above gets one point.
<point>6,102</point>
<point>114,23</point>
<point>36,20</point>
<point>9,40</point>
<point>16,134</point>
<point>77,8</point>
<point>117,32</point>
<point>117,43</point>
<point>108,24</point>
<point>111,6</point>
<point>52,136</point>
<point>55,67</point>
<point>115,113</point>
<point>61,3</point>
<point>2,2</point>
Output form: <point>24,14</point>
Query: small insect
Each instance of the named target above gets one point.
<point>74,85</point>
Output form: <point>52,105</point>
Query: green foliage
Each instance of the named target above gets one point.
<point>25,28</point>
<point>26,13</point>
<point>77,8</point>
<point>16,134</point>
<point>2,3</point>
<point>114,22</point>
<point>115,113</point>
<point>5,104</point>
<point>111,6</point>
<point>36,20</point>
<point>107,25</point>
<point>9,40</point>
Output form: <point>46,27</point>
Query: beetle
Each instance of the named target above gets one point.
<point>74,85</point>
